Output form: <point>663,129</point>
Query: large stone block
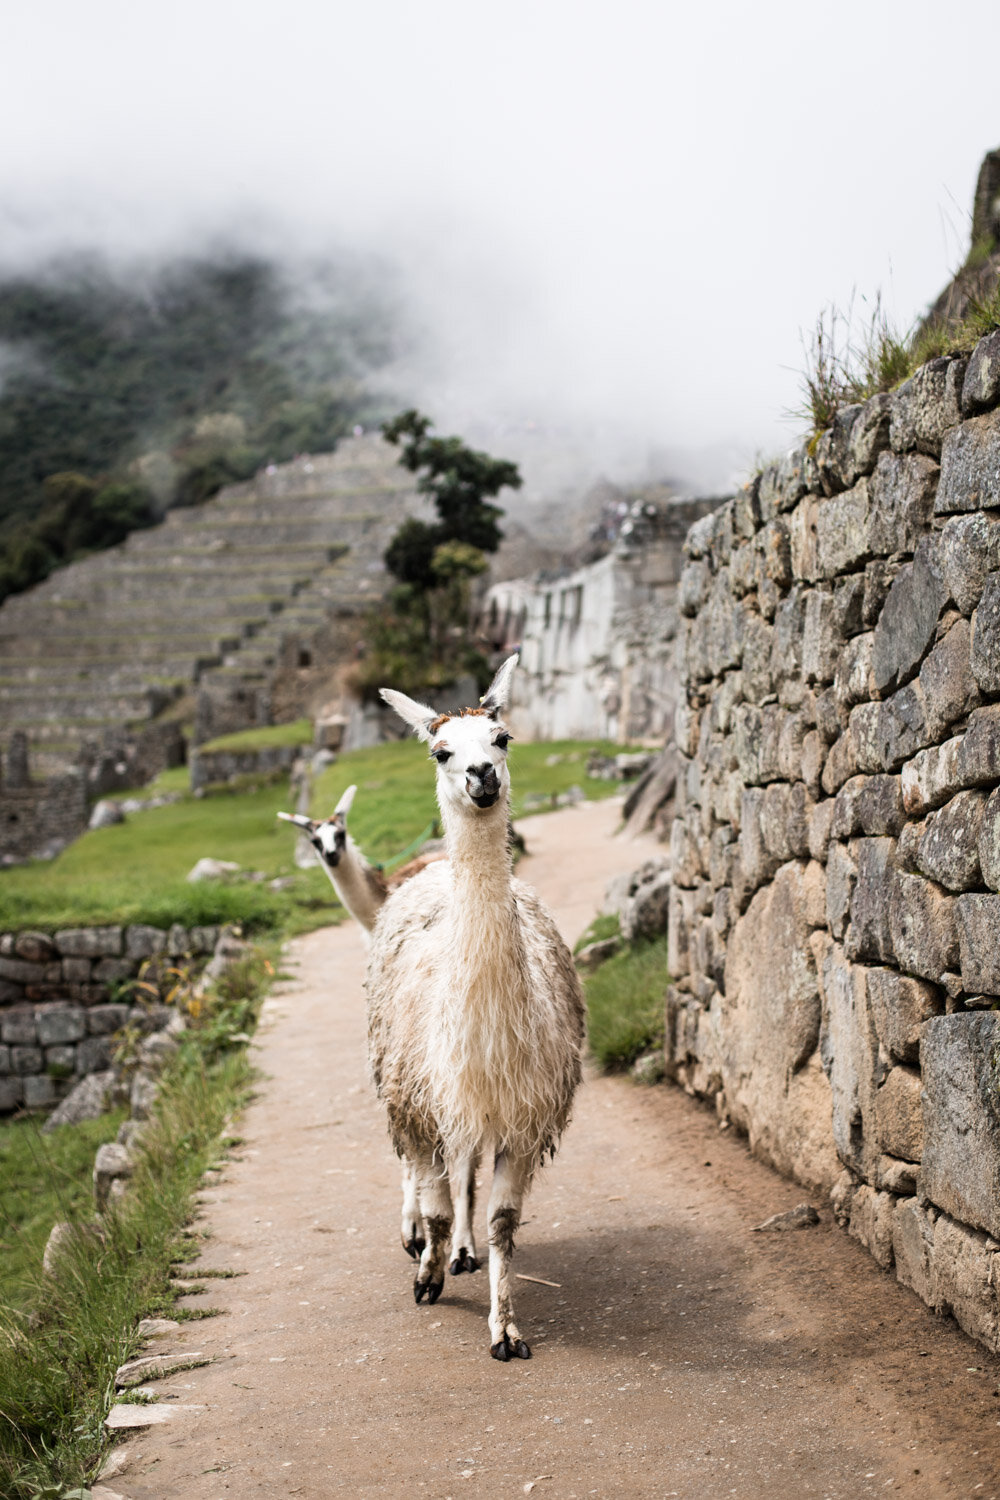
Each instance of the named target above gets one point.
<point>21,971</point>
<point>871,1222</point>
<point>967,1279</point>
<point>978,930</point>
<point>901,494</point>
<point>758,642</point>
<point>909,618</point>
<point>680,915</point>
<point>842,532</point>
<point>923,930</point>
<point>989,842</point>
<point>985,652</point>
<point>820,637</point>
<point>852,680</point>
<point>950,688</point>
<point>693,588</point>
<point>870,934</point>
<point>93,1055</point>
<point>981,386</point>
<point>840,764</point>
<point>926,405</point>
<point>932,776</point>
<point>102,1020</point>
<point>57,1024</point>
<point>850,1055</point>
<point>899,1006</point>
<point>898,1116</point>
<point>901,727</point>
<point>871,805</point>
<point>978,761</point>
<point>25,1060</point>
<point>17,1026</point>
<point>37,947</point>
<point>758,863</point>
<point>870,433</point>
<point>960,1170</point>
<point>841,874</point>
<point>913,1248</point>
<point>685,853</point>
<point>768,1033</point>
<point>789,628</point>
<point>757,735</point>
<point>949,849</point>
<point>969,549</point>
<point>784,820</point>
<point>39,1091</point>
<point>970,466</point>
<point>144,942</point>
<point>776,553</point>
<point>863,735</point>
<point>89,942</point>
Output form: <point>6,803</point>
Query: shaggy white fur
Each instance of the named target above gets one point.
<point>475,1013</point>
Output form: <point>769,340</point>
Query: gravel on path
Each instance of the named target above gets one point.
<point>676,1352</point>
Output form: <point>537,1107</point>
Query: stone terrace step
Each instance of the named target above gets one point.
<point>107,640</point>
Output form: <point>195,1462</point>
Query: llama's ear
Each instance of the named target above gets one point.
<point>418,715</point>
<point>343,807</point>
<point>498,693</point>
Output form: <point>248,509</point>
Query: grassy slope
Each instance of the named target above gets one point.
<point>136,871</point>
<point>57,1370</point>
<point>43,1178</point>
<point>625,1004</point>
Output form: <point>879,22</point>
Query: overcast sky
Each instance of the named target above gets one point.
<point>618,216</point>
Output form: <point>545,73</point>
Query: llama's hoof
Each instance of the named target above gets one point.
<point>508,1349</point>
<point>429,1289</point>
<point>463,1262</point>
<point>414,1248</point>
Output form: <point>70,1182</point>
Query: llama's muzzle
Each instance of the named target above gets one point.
<point>482,785</point>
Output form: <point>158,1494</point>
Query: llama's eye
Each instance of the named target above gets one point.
<point>441,756</point>
<point>502,741</point>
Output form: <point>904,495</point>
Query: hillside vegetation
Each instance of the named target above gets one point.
<point>124,393</point>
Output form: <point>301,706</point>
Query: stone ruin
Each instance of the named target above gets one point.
<point>834,913</point>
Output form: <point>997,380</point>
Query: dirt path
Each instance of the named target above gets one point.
<point>680,1354</point>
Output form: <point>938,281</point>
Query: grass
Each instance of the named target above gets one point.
<point>625,999</point>
<point>43,1178</point>
<point>62,1338</point>
<point>136,871</point>
<point>606,925</point>
<point>843,366</point>
<point>266,738</point>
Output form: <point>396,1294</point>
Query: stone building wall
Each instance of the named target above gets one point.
<point>595,643</point>
<point>834,917</point>
<point>63,995</point>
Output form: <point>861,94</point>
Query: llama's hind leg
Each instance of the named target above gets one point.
<point>463,1255</point>
<point>411,1230</point>
<point>511,1176</point>
<point>436,1212</point>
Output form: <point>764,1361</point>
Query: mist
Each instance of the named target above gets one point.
<point>608,228</point>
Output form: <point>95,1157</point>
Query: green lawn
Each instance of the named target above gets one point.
<point>266,738</point>
<point>43,1179</point>
<point>136,871</point>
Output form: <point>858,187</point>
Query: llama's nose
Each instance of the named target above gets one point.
<point>481,781</point>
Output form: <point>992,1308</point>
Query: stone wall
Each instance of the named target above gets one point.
<point>595,643</point>
<point>209,767</point>
<point>836,855</point>
<point>63,995</point>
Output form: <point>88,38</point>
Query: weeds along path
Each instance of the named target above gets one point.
<point>679,1355</point>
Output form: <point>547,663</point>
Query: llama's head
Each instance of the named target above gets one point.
<point>329,837</point>
<point>470,746</point>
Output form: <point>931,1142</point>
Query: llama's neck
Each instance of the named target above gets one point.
<point>486,946</point>
<point>360,888</point>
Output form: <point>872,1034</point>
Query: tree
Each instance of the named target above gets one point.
<point>422,634</point>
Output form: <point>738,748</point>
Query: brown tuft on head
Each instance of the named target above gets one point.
<point>462,713</point>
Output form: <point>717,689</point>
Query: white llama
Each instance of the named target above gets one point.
<point>360,888</point>
<point>475,1015</point>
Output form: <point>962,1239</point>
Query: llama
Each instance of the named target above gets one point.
<point>475,1015</point>
<point>359,887</point>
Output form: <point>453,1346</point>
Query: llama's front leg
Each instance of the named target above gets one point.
<point>436,1211</point>
<point>511,1176</point>
<point>463,1255</point>
<point>411,1230</point>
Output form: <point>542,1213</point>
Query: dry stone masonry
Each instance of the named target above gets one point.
<point>834,914</point>
<point>63,995</point>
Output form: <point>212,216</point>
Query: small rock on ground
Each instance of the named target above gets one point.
<point>799,1217</point>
